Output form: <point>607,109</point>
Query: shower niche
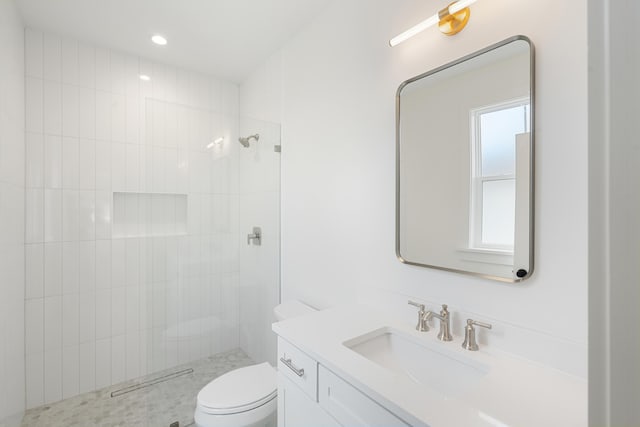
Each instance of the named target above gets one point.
<point>149,214</point>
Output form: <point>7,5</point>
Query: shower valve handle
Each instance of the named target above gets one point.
<point>256,236</point>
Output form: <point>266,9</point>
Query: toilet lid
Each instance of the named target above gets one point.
<point>239,390</point>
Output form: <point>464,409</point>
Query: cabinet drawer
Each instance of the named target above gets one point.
<point>349,406</point>
<point>299,368</point>
<point>296,409</point>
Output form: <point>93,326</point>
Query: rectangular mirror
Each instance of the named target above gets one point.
<point>464,184</point>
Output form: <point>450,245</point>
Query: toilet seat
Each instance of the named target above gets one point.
<point>240,390</point>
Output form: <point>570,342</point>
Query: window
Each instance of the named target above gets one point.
<point>493,135</point>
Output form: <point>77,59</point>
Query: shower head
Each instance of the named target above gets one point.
<point>245,141</point>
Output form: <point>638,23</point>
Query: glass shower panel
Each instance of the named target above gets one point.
<point>259,183</point>
<point>188,234</point>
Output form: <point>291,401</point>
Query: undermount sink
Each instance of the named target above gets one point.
<point>424,363</point>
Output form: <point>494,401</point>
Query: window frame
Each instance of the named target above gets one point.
<point>477,180</point>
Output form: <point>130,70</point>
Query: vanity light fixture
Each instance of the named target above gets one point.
<point>144,77</point>
<point>159,40</point>
<point>451,20</point>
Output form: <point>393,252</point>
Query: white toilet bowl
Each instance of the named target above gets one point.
<point>245,397</point>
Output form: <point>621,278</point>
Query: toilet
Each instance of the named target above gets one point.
<point>245,397</point>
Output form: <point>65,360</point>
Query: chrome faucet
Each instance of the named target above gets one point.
<point>445,323</point>
<point>422,325</point>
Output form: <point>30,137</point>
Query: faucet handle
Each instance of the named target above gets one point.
<point>470,342</point>
<point>422,325</point>
<point>416,304</point>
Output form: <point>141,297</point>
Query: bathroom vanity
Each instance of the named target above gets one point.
<point>357,366</point>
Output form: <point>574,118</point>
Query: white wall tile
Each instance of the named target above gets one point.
<point>34,326</point>
<point>132,262</point>
<point>52,323</point>
<point>99,293</point>
<point>86,66</point>
<point>87,265</point>
<point>132,309</point>
<point>103,363</point>
<point>34,222</point>
<point>118,118</point>
<point>103,214</point>
<point>70,110</point>
<point>86,164</point>
<point>52,269</point>
<point>52,107</point>
<point>70,268</point>
<point>34,101</point>
<point>118,263</point>
<point>52,54</point>
<point>35,380</point>
<point>70,371</point>
<point>70,215</point>
<point>132,119</point>
<point>70,62</point>
<point>132,167</point>
<point>53,375</point>
<point>52,161</point>
<point>52,215</point>
<point>103,69</point>
<point>87,367</point>
<point>118,359</point>
<point>118,166</point>
<point>103,166</point>
<point>103,264</point>
<point>87,317</point>
<point>133,355</point>
<point>86,113</point>
<point>34,160</point>
<point>118,311</point>
<point>118,67</point>
<point>33,53</point>
<point>34,271</point>
<point>86,215</point>
<point>103,313</point>
<point>70,320</point>
<point>103,115</point>
<point>70,163</point>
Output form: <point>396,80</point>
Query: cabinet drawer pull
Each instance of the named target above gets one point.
<point>288,364</point>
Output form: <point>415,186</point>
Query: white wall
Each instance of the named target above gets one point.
<point>12,385</point>
<point>339,78</point>
<point>614,222</point>
<point>109,303</point>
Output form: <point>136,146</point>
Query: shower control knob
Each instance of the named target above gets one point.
<point>256,237</point>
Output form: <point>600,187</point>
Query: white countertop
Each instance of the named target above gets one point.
<point>514,392</point>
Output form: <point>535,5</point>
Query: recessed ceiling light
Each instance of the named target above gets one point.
<point>145,77</point>
<point>159,40</point>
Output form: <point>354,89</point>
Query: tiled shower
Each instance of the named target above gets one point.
<point>138,201</point>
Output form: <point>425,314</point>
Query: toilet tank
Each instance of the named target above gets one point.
<point>290,309</point>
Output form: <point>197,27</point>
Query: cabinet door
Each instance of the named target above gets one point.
<point>296,409</point>
<point>349,405</point>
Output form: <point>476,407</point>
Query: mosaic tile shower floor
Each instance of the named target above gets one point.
<point>156,406</point>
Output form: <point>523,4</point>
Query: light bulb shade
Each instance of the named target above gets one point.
<point>159,40</point>
<point>414,30</point>
<point>451,20</point>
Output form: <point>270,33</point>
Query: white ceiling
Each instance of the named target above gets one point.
<point>224,38</point>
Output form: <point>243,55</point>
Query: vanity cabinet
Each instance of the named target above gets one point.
<point>311,395</point>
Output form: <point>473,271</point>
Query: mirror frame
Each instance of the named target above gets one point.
<point>531,162</point>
